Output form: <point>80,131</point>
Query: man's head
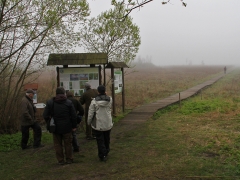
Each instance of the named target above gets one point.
<point>30,93</point>
<point>87,85</point>
<point>101,89</point>
<point>69,94</point>
<point>60,90</point>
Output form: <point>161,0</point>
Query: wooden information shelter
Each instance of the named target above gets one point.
<point>112,66</point>
<point>90,60</point>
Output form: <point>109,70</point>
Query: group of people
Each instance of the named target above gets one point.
<point>65,109</point>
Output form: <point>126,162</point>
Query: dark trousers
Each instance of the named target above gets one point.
<point>37,134</point>
<point>63,141</point>
<point>103,142</point>
<point>75,141</point>
<point>89,131</point>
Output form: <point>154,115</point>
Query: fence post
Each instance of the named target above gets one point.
<point>179,100</point>
<point>201,93</point>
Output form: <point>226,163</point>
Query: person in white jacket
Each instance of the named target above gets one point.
<point>100,118</point>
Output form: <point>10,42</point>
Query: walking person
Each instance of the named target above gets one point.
<point>28,121</point>
<point>80,112</point>
<point>100,118</point>
<point>65,118</point>
<point>86,99</point>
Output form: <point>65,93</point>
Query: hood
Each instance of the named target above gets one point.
<point>103,100</point>
<point>60,98</point>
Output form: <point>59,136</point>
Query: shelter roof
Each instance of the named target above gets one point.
<point>77,59</point>
<point>116,65</point>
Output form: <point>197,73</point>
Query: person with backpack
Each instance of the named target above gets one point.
<point>100,119</point>
<point>63,112</point>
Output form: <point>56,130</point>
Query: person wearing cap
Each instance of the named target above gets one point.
<point>65,119</point>
<point>80,112</point>
<point>86,99</point>
<point>28,121</point>
<point>100,118</point>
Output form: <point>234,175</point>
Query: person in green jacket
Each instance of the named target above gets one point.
<point>86,99</point>
<point>28,121</point>
<point>80,112</point>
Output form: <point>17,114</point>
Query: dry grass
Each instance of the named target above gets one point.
<point>172,146</point>
<point>143,83</point>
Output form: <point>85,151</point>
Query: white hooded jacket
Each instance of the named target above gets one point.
<point>99,113</point>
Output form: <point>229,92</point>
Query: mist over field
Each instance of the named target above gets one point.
<point>205,32</point>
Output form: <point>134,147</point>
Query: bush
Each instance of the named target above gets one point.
<point>203,106</point>
<point>10,142</point>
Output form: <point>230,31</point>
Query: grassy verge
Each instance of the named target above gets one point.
<point>200,140</point>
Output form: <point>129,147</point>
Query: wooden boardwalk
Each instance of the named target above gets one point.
<point>144,112</point>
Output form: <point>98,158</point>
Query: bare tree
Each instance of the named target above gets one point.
<point>131,5</point>
<point>29,31</point>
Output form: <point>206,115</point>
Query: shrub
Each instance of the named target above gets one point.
<point>204,106</point>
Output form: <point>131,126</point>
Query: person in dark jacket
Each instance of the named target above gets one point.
<point>65,118</point>
<point>28,121</point>
<point>80,112</point>
<point>86,99</point>
<point>102,124</point>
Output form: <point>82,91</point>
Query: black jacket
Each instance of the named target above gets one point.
<point>63,113</point>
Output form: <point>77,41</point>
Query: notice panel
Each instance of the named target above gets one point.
<point>74,79</point>
<point>118,81</point>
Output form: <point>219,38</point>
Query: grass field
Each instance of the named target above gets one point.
<point>200,140</point>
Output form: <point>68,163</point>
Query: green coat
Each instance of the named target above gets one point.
<point>86,99</point>
<point>27,112</point>
<point>77,105</point>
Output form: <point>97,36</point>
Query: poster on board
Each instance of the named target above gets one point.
<point>35,97</point>
<point>74,79</point>
<point>118,81</point>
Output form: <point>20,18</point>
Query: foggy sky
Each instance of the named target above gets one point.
<point>206,31</point>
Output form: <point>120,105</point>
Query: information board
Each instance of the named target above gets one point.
<point>118,81</point>
<point>74,79</point>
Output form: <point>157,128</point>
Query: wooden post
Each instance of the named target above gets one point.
<point>104,74</point>
<point>113,90</point>
<point>100,75</point>
<point>179,100</point>
<point>58,79</point>
<point>201,93</point>
<point>123,92</point>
